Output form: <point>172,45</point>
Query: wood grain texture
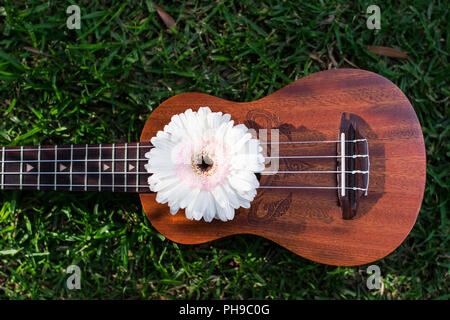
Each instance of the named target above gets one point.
<point>309,222</point>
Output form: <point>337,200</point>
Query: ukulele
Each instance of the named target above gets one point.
<point>348,186</point>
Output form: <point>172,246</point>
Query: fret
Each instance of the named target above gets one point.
<point>3,168</point>
<point>86,168</point>
<point>56,166</point>
<point>39,169</point>
<point>125,167</point>
<point>137,166</point>
<point>71,167</point>
<point>21,168</point>
<point>113,165</point>
<point>100,167</point>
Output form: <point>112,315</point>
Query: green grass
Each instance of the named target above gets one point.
<point>100,83</point>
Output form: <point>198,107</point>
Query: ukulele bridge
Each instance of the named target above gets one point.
<point>353,166</point>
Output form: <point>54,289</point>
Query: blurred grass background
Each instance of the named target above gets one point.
<point>100,83</point>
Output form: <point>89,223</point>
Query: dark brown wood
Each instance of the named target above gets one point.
<point>309,222</point>
<point>350,201</point>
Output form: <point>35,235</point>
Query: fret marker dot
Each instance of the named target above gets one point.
<point>62,167</point>
<point>28,168</point>
<point>106,167</point>
<point>130,167</point>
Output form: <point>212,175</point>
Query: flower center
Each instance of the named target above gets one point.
<point>203,164</point>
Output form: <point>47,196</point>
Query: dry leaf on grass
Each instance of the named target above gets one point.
<point>36,51</point>
<point>317,58</point>
<point>329,20</point>
<point>388,52</point>
<point>332,59</point>
<point>165,17</point>
<point>351,63</point>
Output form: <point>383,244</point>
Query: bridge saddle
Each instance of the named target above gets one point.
<point>353,166</point>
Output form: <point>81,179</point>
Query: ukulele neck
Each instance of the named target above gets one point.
<point>100,167</point>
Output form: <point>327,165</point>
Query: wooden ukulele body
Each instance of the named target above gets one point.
<point>310,222</point>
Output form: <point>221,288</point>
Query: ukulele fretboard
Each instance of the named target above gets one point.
<point>102,167</point>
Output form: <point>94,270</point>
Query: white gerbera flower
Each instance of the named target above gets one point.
<point>205,165</point>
